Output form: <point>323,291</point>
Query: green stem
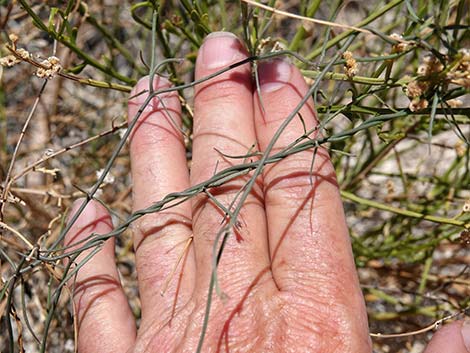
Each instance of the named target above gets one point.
<point>115,43</point>
<point>424,278</point>
<point>66,41</point>
<point>301,32</point>
<point>436,219</point>
<point>343,77</point>
<point>334,41</point>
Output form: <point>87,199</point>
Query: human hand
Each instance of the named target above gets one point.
<point>287,270</point>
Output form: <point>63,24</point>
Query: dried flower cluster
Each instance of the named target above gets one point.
<point>13,38</point>
<point>460,73</point>
<point>465,237</point>
<point>401,46</point>
<point>454,103</point>
<point>50,67</point>
<point>47,68</point>
<point>417,89</point>
<point>430,66</point>
<point>351,65</point>
<point>417,104</point>
<point>466,206</point>
<point>460,148</point>
<point>269,45</point>
<point>9,61</point>
<point>433,72</point>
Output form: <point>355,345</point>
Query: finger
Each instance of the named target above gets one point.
<point>223,124</point>
<point>162,239</point>
<point>105,321</point>
<point>451,338</point>
<point>308,238</point>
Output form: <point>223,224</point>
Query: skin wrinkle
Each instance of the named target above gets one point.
<point>295,165</point>
<point>151,279</point>
<point>149,171</point>
<point>287,192</point>
<point>158,333</point>
<point>86,230</point>
<point>145,128</point>
<point>239,311</point>
<point>221,309</point>
<point>326,334</point>
<point>233,280</point>
<point>298,278</point>
<point>161,105</point>
<point>227,192</point>
<point>151,228</point>
<point>90,292</point>
<point>165,312</point>
<point>225,144</point>
<point>205,210</point>
<point>300,333</point>
<point>230,86</point>
<point>166,326</point>
<point>95,334</point>
<point>284,233</point>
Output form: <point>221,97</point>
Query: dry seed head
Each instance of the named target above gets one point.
<point>13,38</point>
<point>50,67</point>
<point>23,53</point>
<point>46,64</point>
<point>454,103</point>
<point>347,55</point>
<point>263,43</point>
<point>460,75</point>
<point>460,148</point>
<point>430,65</point>
<point>465,54</point>
<point>43,73</point>
<point>461,81</point>
<point>278,46</point>
<point>269,45</point>
<point>418,104</point>
<point>351,65</point>
<point>399,47</point>
<point>466,206</point>
<point>465,237</point>
<point>416,89</point>
<point>9,61</point>
<point>54,60</point>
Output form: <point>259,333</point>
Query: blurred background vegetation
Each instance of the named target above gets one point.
<point>394,110</point>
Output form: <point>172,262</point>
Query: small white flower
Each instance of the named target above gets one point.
<point>9,61</point>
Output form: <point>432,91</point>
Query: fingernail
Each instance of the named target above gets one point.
<point>466,333</point>
<point>220,49</point>
<point>273,75</point>
<point>86,217</point>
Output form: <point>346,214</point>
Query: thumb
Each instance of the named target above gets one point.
<point>451,338</point>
